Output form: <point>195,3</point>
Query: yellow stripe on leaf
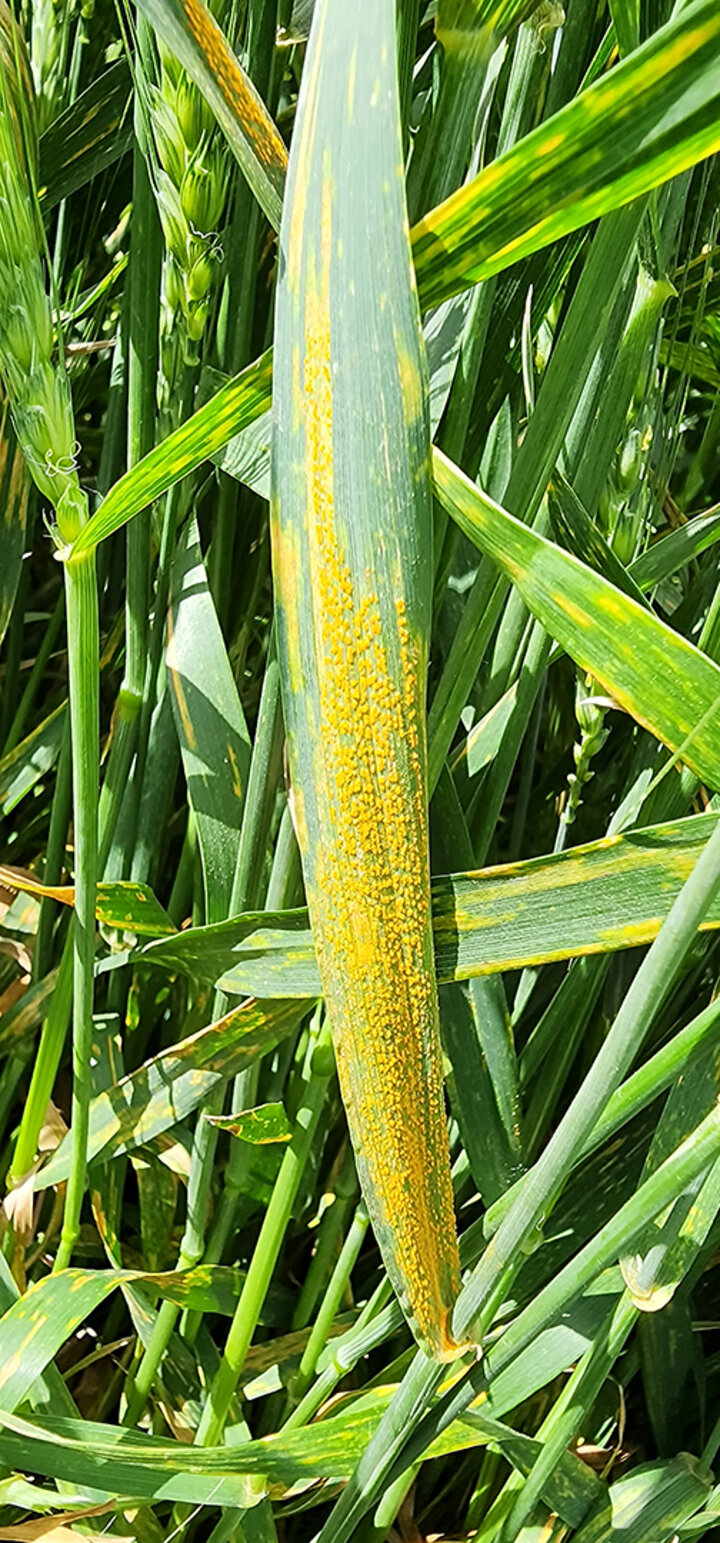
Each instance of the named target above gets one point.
<point>351,530</point>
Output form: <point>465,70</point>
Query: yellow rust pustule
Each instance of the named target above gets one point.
<point>366,857</point>
<point>235,86</point>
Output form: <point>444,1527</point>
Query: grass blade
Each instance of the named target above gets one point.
<point>88,137</point>
<point>210,723</point>
<point>195,37</point>
<point>591,899</point>
<point>173,1083</point>
<point>238,403</point>
<point>659,677</point>
<point>653,115</point>
<point>351,530</point>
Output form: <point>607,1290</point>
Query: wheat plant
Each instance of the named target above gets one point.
<point>360,690</point>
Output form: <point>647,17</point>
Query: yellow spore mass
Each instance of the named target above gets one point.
<point>368,873</point>
<point>236,88</point>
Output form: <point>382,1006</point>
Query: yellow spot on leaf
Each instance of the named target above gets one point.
<point>411,385</point>
<point>235,773</point>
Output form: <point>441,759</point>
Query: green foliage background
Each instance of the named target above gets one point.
<point>198,1336</point>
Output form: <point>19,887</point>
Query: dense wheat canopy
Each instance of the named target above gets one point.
<point>359,770</point>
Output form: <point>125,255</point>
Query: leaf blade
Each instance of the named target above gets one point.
<point>591,899</point>
<point>168,1087</point>
<point>351,538</point>
<point>194,35</point>
<point>657,115</point>
<point>660,678</point>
